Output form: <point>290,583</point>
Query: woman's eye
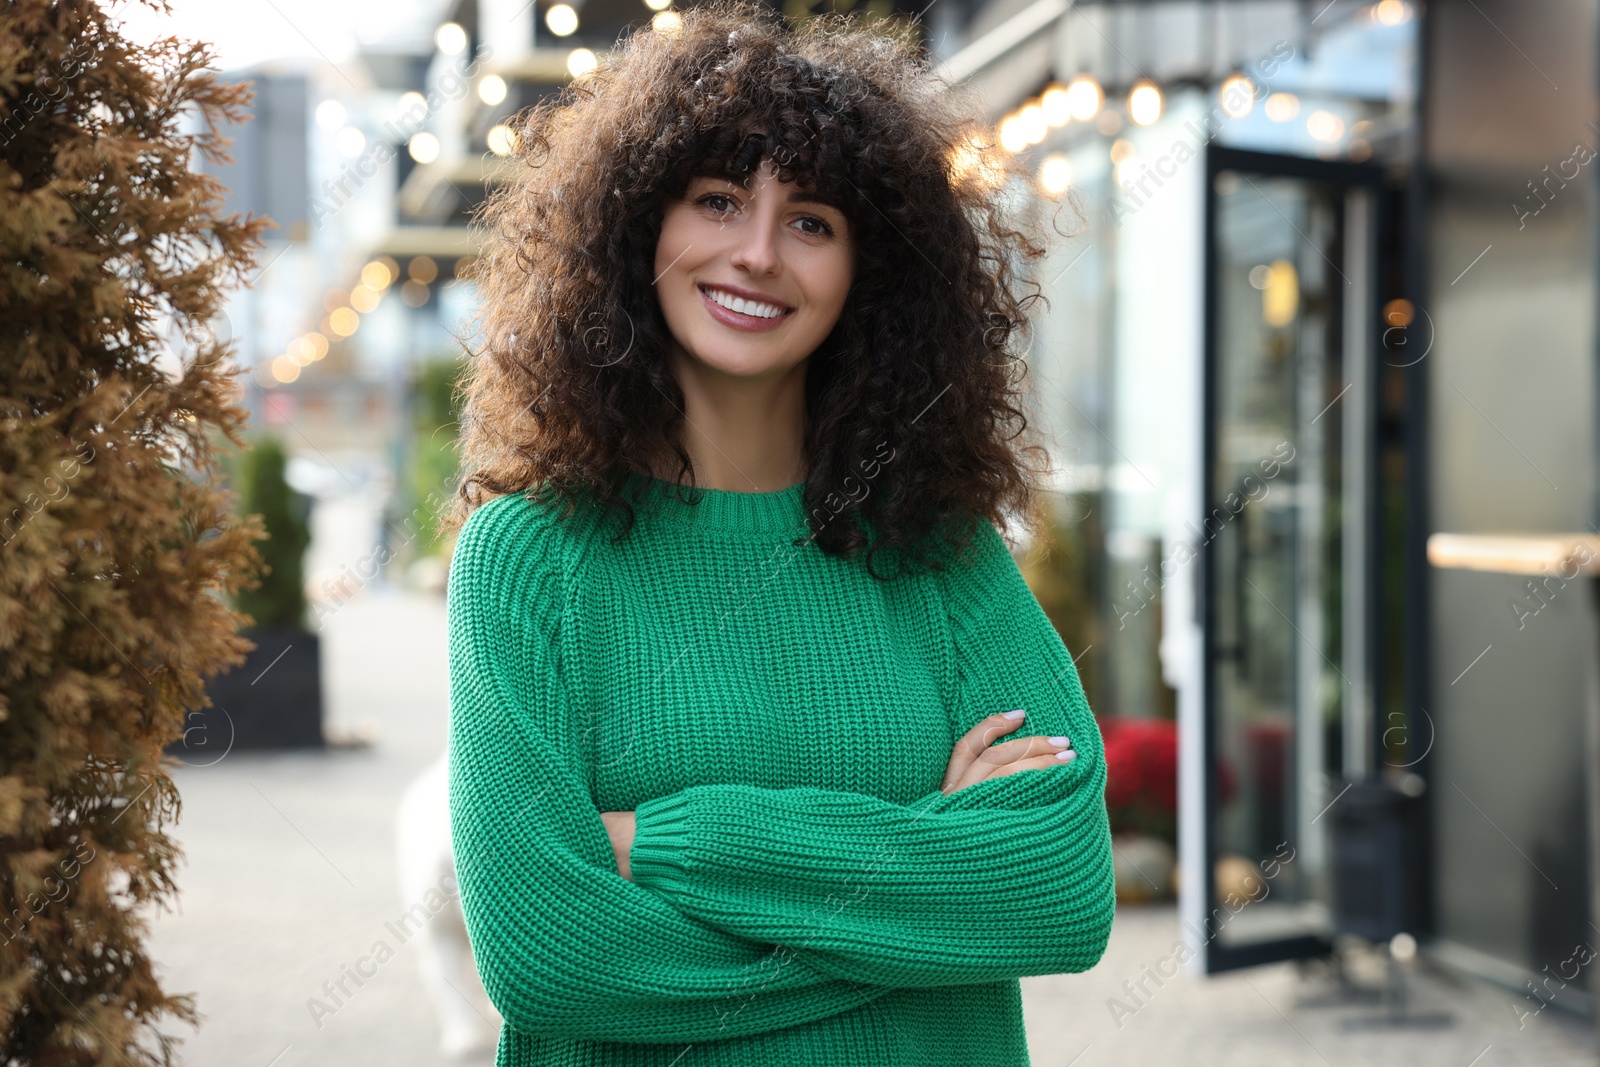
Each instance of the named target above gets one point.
<point>717,203</point>
<point>815,226</point>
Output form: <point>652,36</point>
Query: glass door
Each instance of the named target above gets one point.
<point>1286,540</point>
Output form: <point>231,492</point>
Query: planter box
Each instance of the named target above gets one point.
<point>272,701</point>
<point>1378,861</point>
<point>1145,868</point>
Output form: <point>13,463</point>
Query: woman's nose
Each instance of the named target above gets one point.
<point>756,249</point>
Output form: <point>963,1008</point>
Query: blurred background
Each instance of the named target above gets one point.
<point>1317,374</point>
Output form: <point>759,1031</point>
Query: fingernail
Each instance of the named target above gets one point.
<point>1061,742</point>
<point>1019,713</point>
<point>1066,756</point>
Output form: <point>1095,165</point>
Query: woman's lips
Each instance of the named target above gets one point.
<point>740,321</point>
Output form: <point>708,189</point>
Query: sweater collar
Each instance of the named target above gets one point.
<point>778,511</point>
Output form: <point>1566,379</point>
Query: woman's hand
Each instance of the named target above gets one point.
<point>974,758</point>
<point>619,825</point>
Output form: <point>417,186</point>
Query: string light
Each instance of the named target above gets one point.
<point>492,89</point>
<point>972,160</point>
<point>412,105</point>
<point>502,140</point>
<point>562,20</point>
<point>1391,12</point>
<point>1237,96</point>
<point>423,269</point>
<point>1084,98</point>
<point>1055,175</point>
<point>344,321</point>
<point>330,114</point>
<point>451,38</point>
<point>581,61</point>
<point>1057,111</point>
<point>350,142</point>
<point>1281,107</point>
<point>1144,103</point>
<point>1325,126</point>
<point>1013,136</point>
<point>424,147</point>
<point>377,275</point>
<point>1034,126</point>
<point>364,298</point>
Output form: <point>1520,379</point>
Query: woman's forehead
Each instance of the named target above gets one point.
<point>800,187</point>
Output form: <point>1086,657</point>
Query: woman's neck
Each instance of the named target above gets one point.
<point>743,434</point>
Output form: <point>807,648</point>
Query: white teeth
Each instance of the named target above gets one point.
<point>743,306</point>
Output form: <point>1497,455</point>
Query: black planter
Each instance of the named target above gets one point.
<point>273,701</point>
<point>1377,846</point>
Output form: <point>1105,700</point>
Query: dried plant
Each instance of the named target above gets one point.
<point>118,541</point>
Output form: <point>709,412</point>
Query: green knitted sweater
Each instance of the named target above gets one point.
<point>779,721</point>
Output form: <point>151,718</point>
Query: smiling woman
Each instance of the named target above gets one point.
<point>721,792</point>
<point>825,172</point>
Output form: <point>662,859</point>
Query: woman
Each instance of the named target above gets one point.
<point>735,643</point>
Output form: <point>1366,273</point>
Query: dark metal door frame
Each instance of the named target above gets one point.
<point>1218,957</point>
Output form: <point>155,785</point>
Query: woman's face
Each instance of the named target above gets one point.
<point>752,279</point>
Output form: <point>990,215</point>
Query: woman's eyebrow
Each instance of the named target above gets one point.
<point>798,196</point>
<point>805,196</point>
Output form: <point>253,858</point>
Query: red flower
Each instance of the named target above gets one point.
<point>1141,764</point>
<point>1142,776</point>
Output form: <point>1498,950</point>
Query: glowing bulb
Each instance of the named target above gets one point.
<point>1084,97</point>
<point>1055,175</point>
<point>423,269</point>
<point>972,160</point>
<point>1391,12</point>
<point>1281,107</point>
<point>501,140</point>
<point>562,19</point>
<point>413,106</point>
<point>1144,104</point>
<point>581,61</point>
<point>492,89</point>
<point>1013,135</point>
<point>1280,297</point>
<point>667,22</point>
<point>424,147</point>
<point>451,38</point>
<point>1325,126</point>
<point>1237,95</point>
<point>350,142</point>
<point>657,5</point>
<point>1057,112</point>
<point>344,321</point>
<point>375,275</point>
<point>364,298</point>
<point>330,114</point>
<point>1034,126</point>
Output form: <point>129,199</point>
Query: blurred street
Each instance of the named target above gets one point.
<point>290,877</point>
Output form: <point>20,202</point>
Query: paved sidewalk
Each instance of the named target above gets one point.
<point>290,877</point>
<point>1274,1016</point>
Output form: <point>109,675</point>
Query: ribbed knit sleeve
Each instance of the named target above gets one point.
<point>1003,879</point>
<point>566,946</point>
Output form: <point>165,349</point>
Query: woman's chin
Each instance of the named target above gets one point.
<point>744,361</point>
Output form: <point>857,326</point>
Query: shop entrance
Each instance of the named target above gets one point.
<point>1287,542</point>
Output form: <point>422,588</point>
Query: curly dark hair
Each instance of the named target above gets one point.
<point>913,401</point>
